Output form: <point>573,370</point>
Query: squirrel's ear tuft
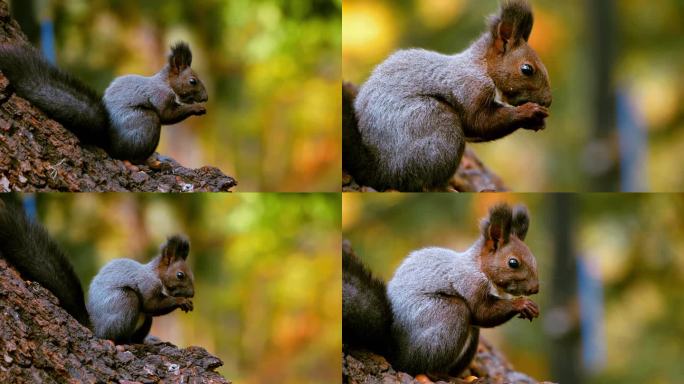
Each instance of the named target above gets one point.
<point>176,247</point>
<point>512,24</point>
<point>181,56</point>
<point>497,227</point>
<point>521,221</point>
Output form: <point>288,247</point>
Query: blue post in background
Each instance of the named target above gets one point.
<point>632,141</point>
<point>590,292</point>
<point>47,31</point>
<point>29,202</point>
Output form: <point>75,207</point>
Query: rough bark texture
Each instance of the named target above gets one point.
<point>38,154</point>
<point>488,366</point>
<point>42,343</point>
<point>472,175</point>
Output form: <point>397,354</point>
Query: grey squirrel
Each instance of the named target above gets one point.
<point>127,120</point>
<point>440,298</point>
<point>123,297</point>
<point>418,108</point>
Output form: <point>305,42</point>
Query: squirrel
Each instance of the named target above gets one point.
<point>123,297</point>
<point>127,120</point>
<point>418,108</point>
<point>440,298</point>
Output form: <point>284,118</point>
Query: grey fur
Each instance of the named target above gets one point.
<point>134,103</point>
<point>431,293</point>
<point>115,295</point>
<point>406,117</point>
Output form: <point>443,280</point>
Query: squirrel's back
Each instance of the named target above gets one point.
<point>61,96</point>
<point>407,121</point>
<point>133,91</point>
<point>394,94</point>
<point>410,72</point>
<point>433,270</point>
<point>119,274</point>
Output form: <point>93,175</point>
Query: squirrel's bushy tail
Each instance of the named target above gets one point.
<point>366,311</point>
<point>355,157</point>
<point>61,96</point>
<point>28,247</point>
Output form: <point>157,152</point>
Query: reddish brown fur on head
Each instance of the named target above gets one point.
<point>504,258</point>
<point>183,80</point>
<point>173,269</point>
<point>512,64</point>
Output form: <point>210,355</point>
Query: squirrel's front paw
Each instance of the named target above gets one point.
<point>185,304</point>
<point>533,115</point>
<point>527,308</point>
<point>199,109</point>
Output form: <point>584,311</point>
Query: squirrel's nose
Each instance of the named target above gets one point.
<point>534,289</point>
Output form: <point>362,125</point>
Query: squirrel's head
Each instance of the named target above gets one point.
<point>173,270</point>
<point>504,258</point>
<point>183,80</point>
<point>512,64</point>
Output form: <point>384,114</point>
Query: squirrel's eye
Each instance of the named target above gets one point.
<point>513,263</point>
<point>193,81</point>
<point>180,275</point>
<point>526,69</point>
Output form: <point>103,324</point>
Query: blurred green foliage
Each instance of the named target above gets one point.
<point>272,69</point>
<point>648,73</point>
<point>633,243</point>
<point>267,272</point>
<point>636,242</point>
